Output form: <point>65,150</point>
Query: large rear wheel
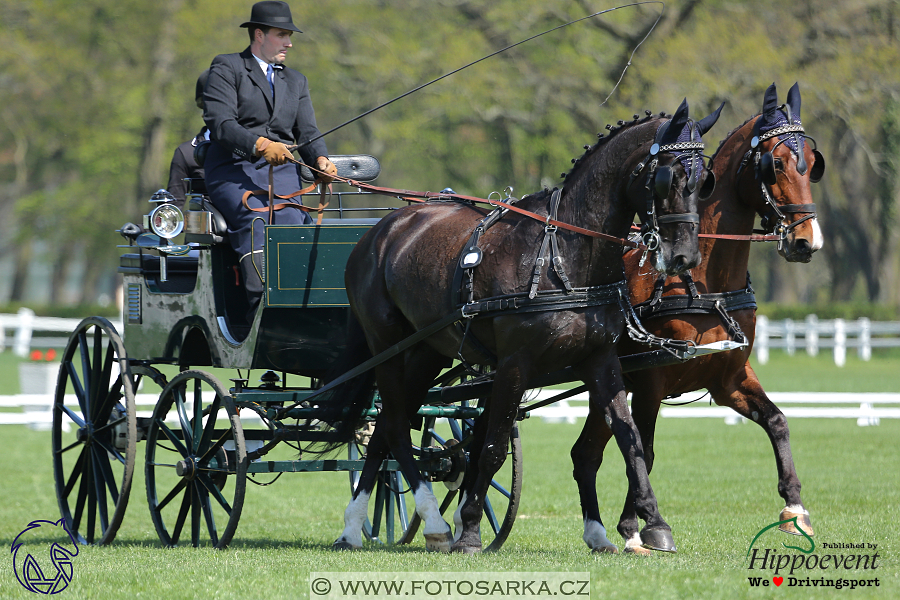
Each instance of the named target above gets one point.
<point>94,432</point>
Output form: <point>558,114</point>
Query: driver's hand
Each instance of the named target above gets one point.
<point>275,153</point>
<point>328,169</point>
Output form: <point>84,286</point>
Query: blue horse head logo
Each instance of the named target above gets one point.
<point>30,561</point>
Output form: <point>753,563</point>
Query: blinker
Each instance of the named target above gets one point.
<point>662,181</point>
<point>818,168</point>
<point>767,169</point>
<point>709,185</point>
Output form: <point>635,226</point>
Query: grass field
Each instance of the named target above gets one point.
<point>716,486</point>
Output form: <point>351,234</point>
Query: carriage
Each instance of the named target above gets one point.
<point>185,313</point>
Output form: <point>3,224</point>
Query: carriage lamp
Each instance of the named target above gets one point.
<point>166,220</point>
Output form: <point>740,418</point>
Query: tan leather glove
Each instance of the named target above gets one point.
<point>327,167</point>
<point>275,153</point>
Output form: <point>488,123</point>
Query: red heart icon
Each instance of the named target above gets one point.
<point>777,580</point>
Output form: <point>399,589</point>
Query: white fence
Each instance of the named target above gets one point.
<point>867,408</point>
<point>18,331</point>
<point>813,334</point>
<point>23,325</point>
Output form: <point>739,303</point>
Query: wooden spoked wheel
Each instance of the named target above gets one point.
<point>94,431</point>
<point>196,469</point>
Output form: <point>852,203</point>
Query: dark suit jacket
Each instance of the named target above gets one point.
<point>239,109</point>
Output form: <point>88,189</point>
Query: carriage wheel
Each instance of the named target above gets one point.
<point>94,436</point>
<point>502,502</point>
<point>196,468</point>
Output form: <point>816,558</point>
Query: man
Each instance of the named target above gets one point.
<point>254,108</point>
<point>184,165</point>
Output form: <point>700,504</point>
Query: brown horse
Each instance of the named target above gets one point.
<point>763,167</point>
<point>402,277</point>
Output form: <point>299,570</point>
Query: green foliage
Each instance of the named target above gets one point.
<point>90,114</point>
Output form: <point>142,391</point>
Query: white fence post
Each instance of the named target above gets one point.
<point>865,339</point>
<point>840,343</point>
<point>790,338</point>
<point>762,339</point>
<point>23,332</point>
<point>812,335</point>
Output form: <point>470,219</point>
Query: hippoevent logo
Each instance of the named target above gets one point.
<point>836,565</point>
<point>42,565</point>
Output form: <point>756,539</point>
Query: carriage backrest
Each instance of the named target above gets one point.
<point>360,167</point>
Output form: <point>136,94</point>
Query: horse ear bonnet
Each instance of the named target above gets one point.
<point>818,168</point>
<point>704,125</point>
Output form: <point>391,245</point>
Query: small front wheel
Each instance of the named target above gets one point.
<point>196,469</point>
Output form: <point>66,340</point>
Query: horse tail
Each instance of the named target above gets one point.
<point>342,407</point>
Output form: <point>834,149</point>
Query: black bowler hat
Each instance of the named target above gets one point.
<point>272,13</point>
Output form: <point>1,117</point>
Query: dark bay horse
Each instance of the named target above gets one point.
<point>402,277</point>
<point>757,173</point>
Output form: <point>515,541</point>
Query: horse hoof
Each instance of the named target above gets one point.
<point>438,542</point>
<point>344,545</point>
<point>465,549</point>
<point>605,550</point>
<point>802,520</point>
<point>658,539</point>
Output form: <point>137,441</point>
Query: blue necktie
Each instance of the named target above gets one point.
<point>269,72</point>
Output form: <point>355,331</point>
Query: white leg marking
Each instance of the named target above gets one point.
<point>429,510</point>
<point>634,541</point>
<point>818,238</point>
<point>457,519</point>
<point>796,509</point>
<point>595,535</point>
<point>354,518</point>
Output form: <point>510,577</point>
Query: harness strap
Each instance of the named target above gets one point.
<point>703,304</point>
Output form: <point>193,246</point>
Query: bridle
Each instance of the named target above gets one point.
<point>775,219</point>
<point>658,184</point>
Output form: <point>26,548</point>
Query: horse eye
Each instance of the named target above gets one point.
<point>779,164</point>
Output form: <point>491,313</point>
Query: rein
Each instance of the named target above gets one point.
<point>413,196</point>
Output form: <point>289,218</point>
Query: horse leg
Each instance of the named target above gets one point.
<point>509,385</point>
<point>587,456</point>
<point>603,378</point>
<point>402,392</point>
<point>471,474</point>
<point>645,400</point>
<point>748,399</point>
<point>355,513</point>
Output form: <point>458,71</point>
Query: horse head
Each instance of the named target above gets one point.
<point>665,188</point>
<point>785,165</point>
